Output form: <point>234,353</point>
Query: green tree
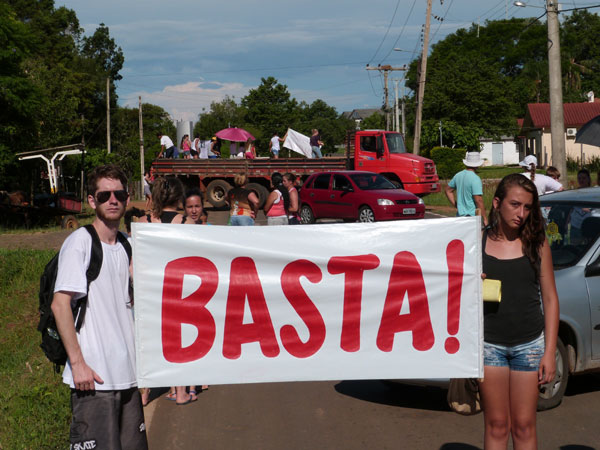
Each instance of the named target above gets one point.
<point>224,114</point>
<point>453,135</point>
<point>332,127</point>
<point>19,98</point>
<point>375,121</point>
<point>269,108</point>
<point>580,55</point>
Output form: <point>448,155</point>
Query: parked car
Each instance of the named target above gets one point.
<point>573,231</point>
<point>353,195</point>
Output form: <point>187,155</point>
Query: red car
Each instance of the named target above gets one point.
<point>353,195</point>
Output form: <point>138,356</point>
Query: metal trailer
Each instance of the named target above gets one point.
<point>59,205</point>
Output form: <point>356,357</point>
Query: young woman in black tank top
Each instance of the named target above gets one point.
<point>520,342</point>
<point>167,197</point>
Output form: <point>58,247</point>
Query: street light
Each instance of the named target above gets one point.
<point>557,121</point>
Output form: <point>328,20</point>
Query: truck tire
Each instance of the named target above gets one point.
<point>261,192</point>
<point>69,223</point>
<point>551,394</point>
<point>216,192</point>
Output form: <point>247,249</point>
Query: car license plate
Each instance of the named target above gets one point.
<point>407,211</point>
<point>433,186</point>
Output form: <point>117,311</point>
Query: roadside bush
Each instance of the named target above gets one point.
<point>448,161</point>
<point>592,164</point>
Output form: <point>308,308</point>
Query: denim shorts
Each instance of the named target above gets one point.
<point>523,357</point>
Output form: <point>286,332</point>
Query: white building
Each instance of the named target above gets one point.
<point>499,152</point>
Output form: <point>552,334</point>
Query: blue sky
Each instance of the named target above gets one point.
<point>184,54</point>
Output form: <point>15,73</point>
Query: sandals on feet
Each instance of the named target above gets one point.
<point>171,396</point>
<point>191,399</point>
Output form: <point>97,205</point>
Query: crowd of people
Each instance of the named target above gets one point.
<point>205,149</point>
<point>520,337</point>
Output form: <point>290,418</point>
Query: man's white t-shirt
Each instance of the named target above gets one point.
<point>106,338</point>
<point>166,141</point>
<point>275,143</point>
<point>544,183</point>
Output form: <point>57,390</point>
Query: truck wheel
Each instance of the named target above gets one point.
<point>261,192</point>
<point>216,192</point>
<point>306,215</point>
<point>69,223</point>
<point>365,214</point>
<point>551,394</point>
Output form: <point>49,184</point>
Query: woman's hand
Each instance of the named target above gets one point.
<point>547,369</point>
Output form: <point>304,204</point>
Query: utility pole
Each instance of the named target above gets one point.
<point>441,142</point>
<point>141,125</point>
<point>422,78</point>
<point>108,114</point>
<point>83,180</point>
<point>385,69</point>
<point>557,122</point>
<point>403,116</point>
<point>396,111</point>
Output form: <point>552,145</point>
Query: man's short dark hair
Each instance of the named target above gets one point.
<point>108,171</point>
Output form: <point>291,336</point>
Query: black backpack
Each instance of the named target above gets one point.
<point>51,343</point>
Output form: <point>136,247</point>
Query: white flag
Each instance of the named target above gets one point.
<point>298,142</point>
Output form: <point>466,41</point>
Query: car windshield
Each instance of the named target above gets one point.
<point>571,230</point>
<point>371,181</point>
<point>395,143</point>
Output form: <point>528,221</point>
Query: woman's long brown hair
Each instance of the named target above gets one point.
<point>532,232</point>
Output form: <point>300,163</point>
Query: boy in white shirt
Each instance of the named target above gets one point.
<point>105,402</point>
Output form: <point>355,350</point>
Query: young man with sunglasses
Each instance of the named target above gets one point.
<point>105,402</point>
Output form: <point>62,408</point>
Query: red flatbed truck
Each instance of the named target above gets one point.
<point>372,150</point>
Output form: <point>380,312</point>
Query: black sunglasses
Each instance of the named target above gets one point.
<point>103,196</point>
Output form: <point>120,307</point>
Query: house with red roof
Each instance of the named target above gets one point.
<point>535,139</point>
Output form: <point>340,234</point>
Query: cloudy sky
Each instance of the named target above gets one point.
<point>184,54</point>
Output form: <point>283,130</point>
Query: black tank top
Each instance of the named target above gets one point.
<point>166,217</point>
<point>518,318</point>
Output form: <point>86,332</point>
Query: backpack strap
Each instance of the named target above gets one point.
<point>125,243</point>
<point>91,273</point>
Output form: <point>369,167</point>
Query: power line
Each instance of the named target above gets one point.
<point>386,33</point>
<point>264,69</point>
<point>401,31</point>
<point>442,21</point>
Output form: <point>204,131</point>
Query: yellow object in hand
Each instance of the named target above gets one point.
<point>492,290</point>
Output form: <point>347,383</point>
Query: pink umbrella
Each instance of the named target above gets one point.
<point>234,134</point>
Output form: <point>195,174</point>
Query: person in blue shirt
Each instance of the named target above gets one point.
<point>465,191</point>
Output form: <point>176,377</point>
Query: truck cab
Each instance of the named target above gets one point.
<point>384,152</point>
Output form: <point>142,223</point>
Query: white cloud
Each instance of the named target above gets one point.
<point>185,101</point>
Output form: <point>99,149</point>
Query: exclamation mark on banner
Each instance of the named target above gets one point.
<point>455,256</point>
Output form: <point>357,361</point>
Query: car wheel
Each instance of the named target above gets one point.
<point>216,192</point>
<point>551,394</point>
<point>306,215</point>
<point>365,214</point>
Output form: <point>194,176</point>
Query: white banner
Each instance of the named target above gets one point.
<point>218,304</point>
<point>298,143</point>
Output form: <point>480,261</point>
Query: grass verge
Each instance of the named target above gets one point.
<point>34,403</point>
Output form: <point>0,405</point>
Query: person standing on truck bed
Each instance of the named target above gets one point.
<point>167,147</point>
<point>215,148</point>
<point>315,143</point>
<point>467,186</point>
<point>274,145</point>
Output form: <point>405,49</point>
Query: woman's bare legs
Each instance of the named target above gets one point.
<point>523,409</point>
<point>509,408</point>
<point>496,407</point>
